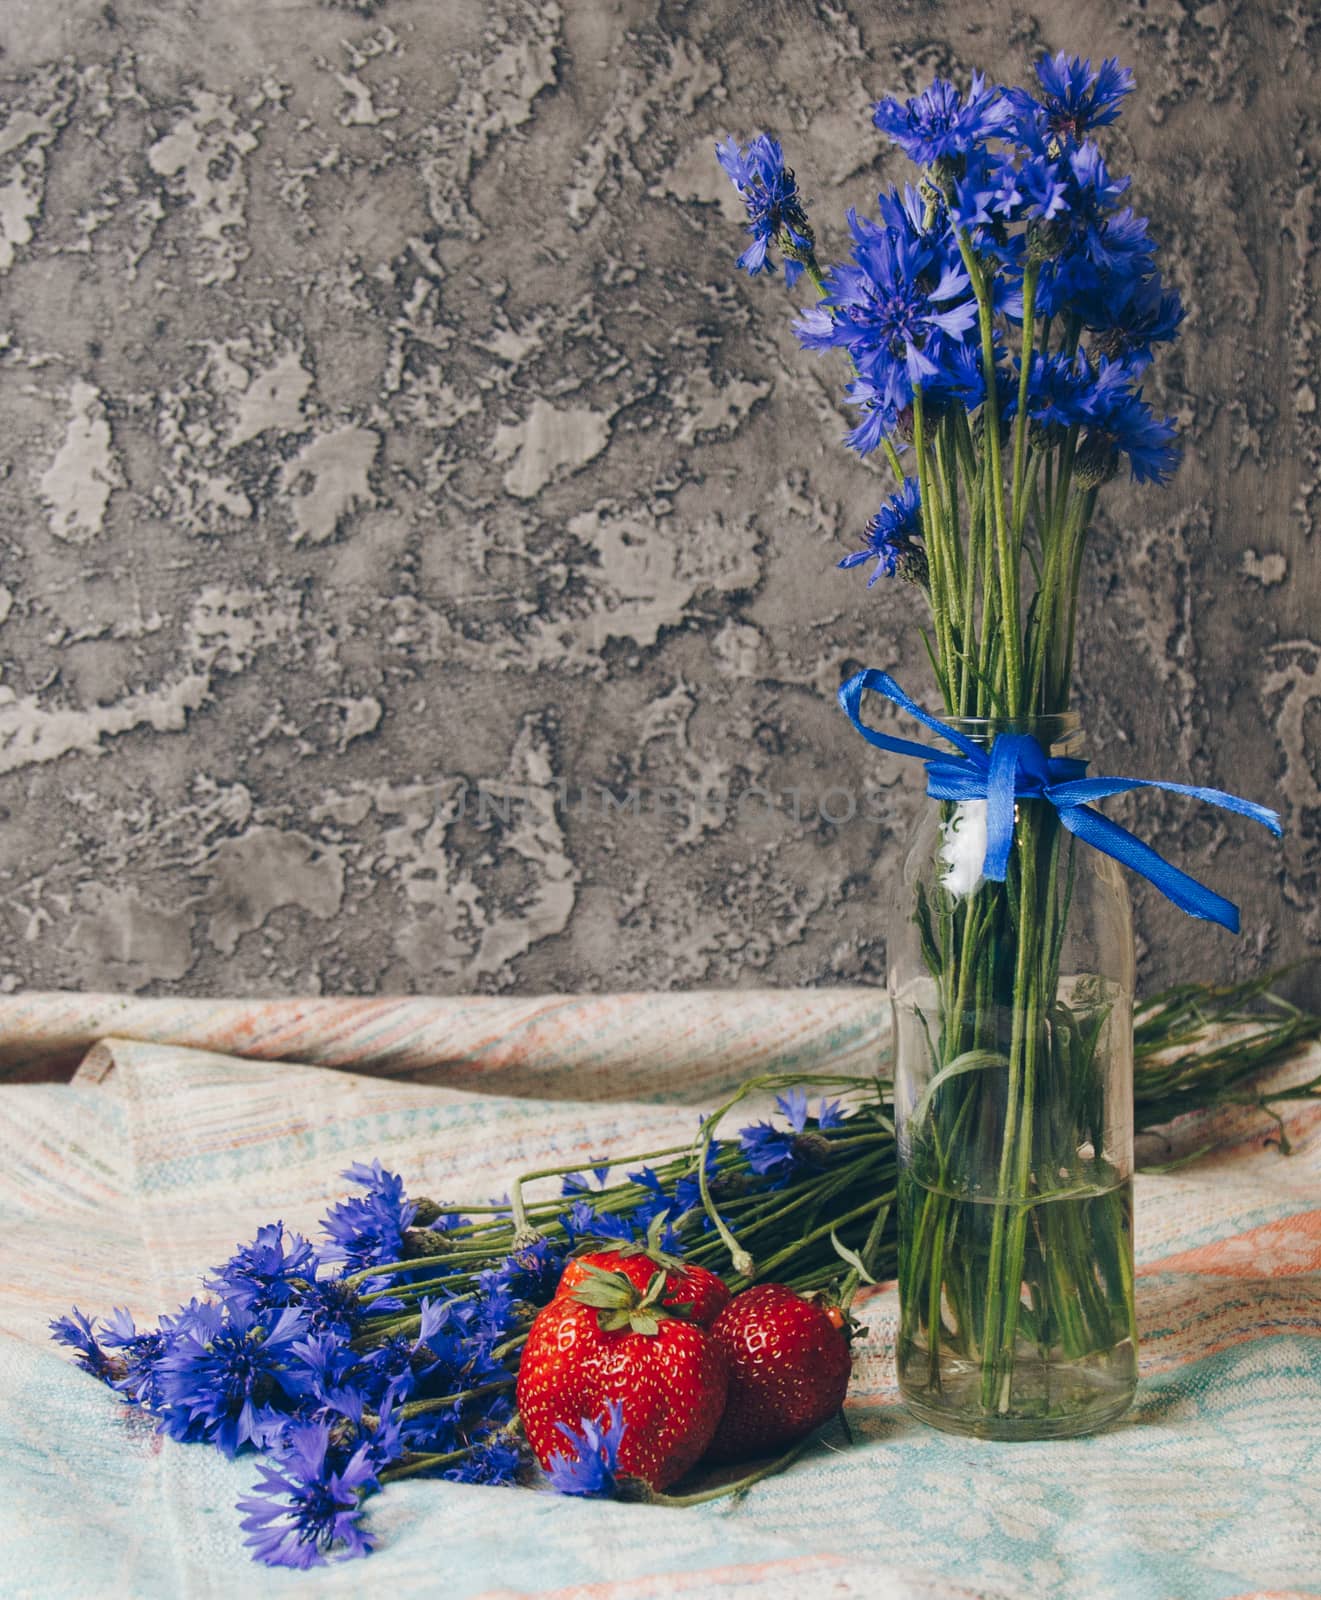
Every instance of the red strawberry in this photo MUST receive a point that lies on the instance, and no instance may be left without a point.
(604, 1341)
(789, 1368)
(697, 1288)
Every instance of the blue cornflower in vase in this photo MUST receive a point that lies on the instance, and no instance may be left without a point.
(896, 309)
(1125, 316)
(1064, 392)
(893, 536)
(1122, 425)
(1074, 98)
(775, 208)
(310, 1505)
(940, 125)
(591, 1465)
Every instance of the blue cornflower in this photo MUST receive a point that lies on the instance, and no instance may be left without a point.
(1042, 189)
(891, 533)
(1061, 390)
(309, 1506)
(830, 1114)
(939, 124)
(793, 1106)
(580, 1183)
(496, 1462)
(383, 1440)
(902, 211)
(1126, 316)
(881, 413)
(494, 1312)
(1094, 240)
(593, 1467)
(777, 1152)
(902, 296)
(327, 1366)
(335, 1307)
(77, 1332)
(1123, 424)
(899, 309)
(140, 1352)
(1074, 99)
(265, 1273)
(367, 1229)
(399, 1366)
(767, 1149)
(773, 203)
(688, 1189)
(583, 1221)
(228, 1378)
(668, 1206)
(962, 382)
(530, 1272)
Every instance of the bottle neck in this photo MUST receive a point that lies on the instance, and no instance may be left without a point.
(1059, 734)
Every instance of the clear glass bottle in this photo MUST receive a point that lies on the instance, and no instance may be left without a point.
(1013, 1012)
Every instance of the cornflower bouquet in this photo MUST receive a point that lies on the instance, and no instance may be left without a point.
(391, 1346)
(999, 318)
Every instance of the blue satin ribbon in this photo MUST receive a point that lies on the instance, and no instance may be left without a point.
(1016, 768)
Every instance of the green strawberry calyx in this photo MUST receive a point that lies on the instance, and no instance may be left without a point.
(620, 1304)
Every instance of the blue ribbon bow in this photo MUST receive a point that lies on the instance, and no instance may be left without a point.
(1016, 768)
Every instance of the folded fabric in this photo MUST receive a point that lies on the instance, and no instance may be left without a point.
(121, 1186)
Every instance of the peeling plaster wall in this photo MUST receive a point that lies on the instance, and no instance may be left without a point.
(390, 456)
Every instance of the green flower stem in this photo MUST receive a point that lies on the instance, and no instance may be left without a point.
(1006, 550)
(1031, 272)
(896, 466)
(935, 545)
(988, 702)
(975, 482)
(996, 1286)
(419, 1408)
(1086, 506)
(781, 1258)
(739, 1485)
(411, 1465)
(947, 486)
(1033, 1010)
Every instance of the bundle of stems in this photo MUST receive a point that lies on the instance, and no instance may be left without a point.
(830, 1223)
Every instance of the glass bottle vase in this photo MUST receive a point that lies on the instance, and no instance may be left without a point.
(1013, 1012)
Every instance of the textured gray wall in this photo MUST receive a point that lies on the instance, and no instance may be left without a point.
(382, 421)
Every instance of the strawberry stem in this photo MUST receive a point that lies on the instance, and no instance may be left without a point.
(740, 1485)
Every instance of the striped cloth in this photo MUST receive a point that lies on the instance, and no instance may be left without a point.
(187, 1124)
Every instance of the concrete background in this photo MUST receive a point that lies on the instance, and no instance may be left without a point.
(383, 427)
